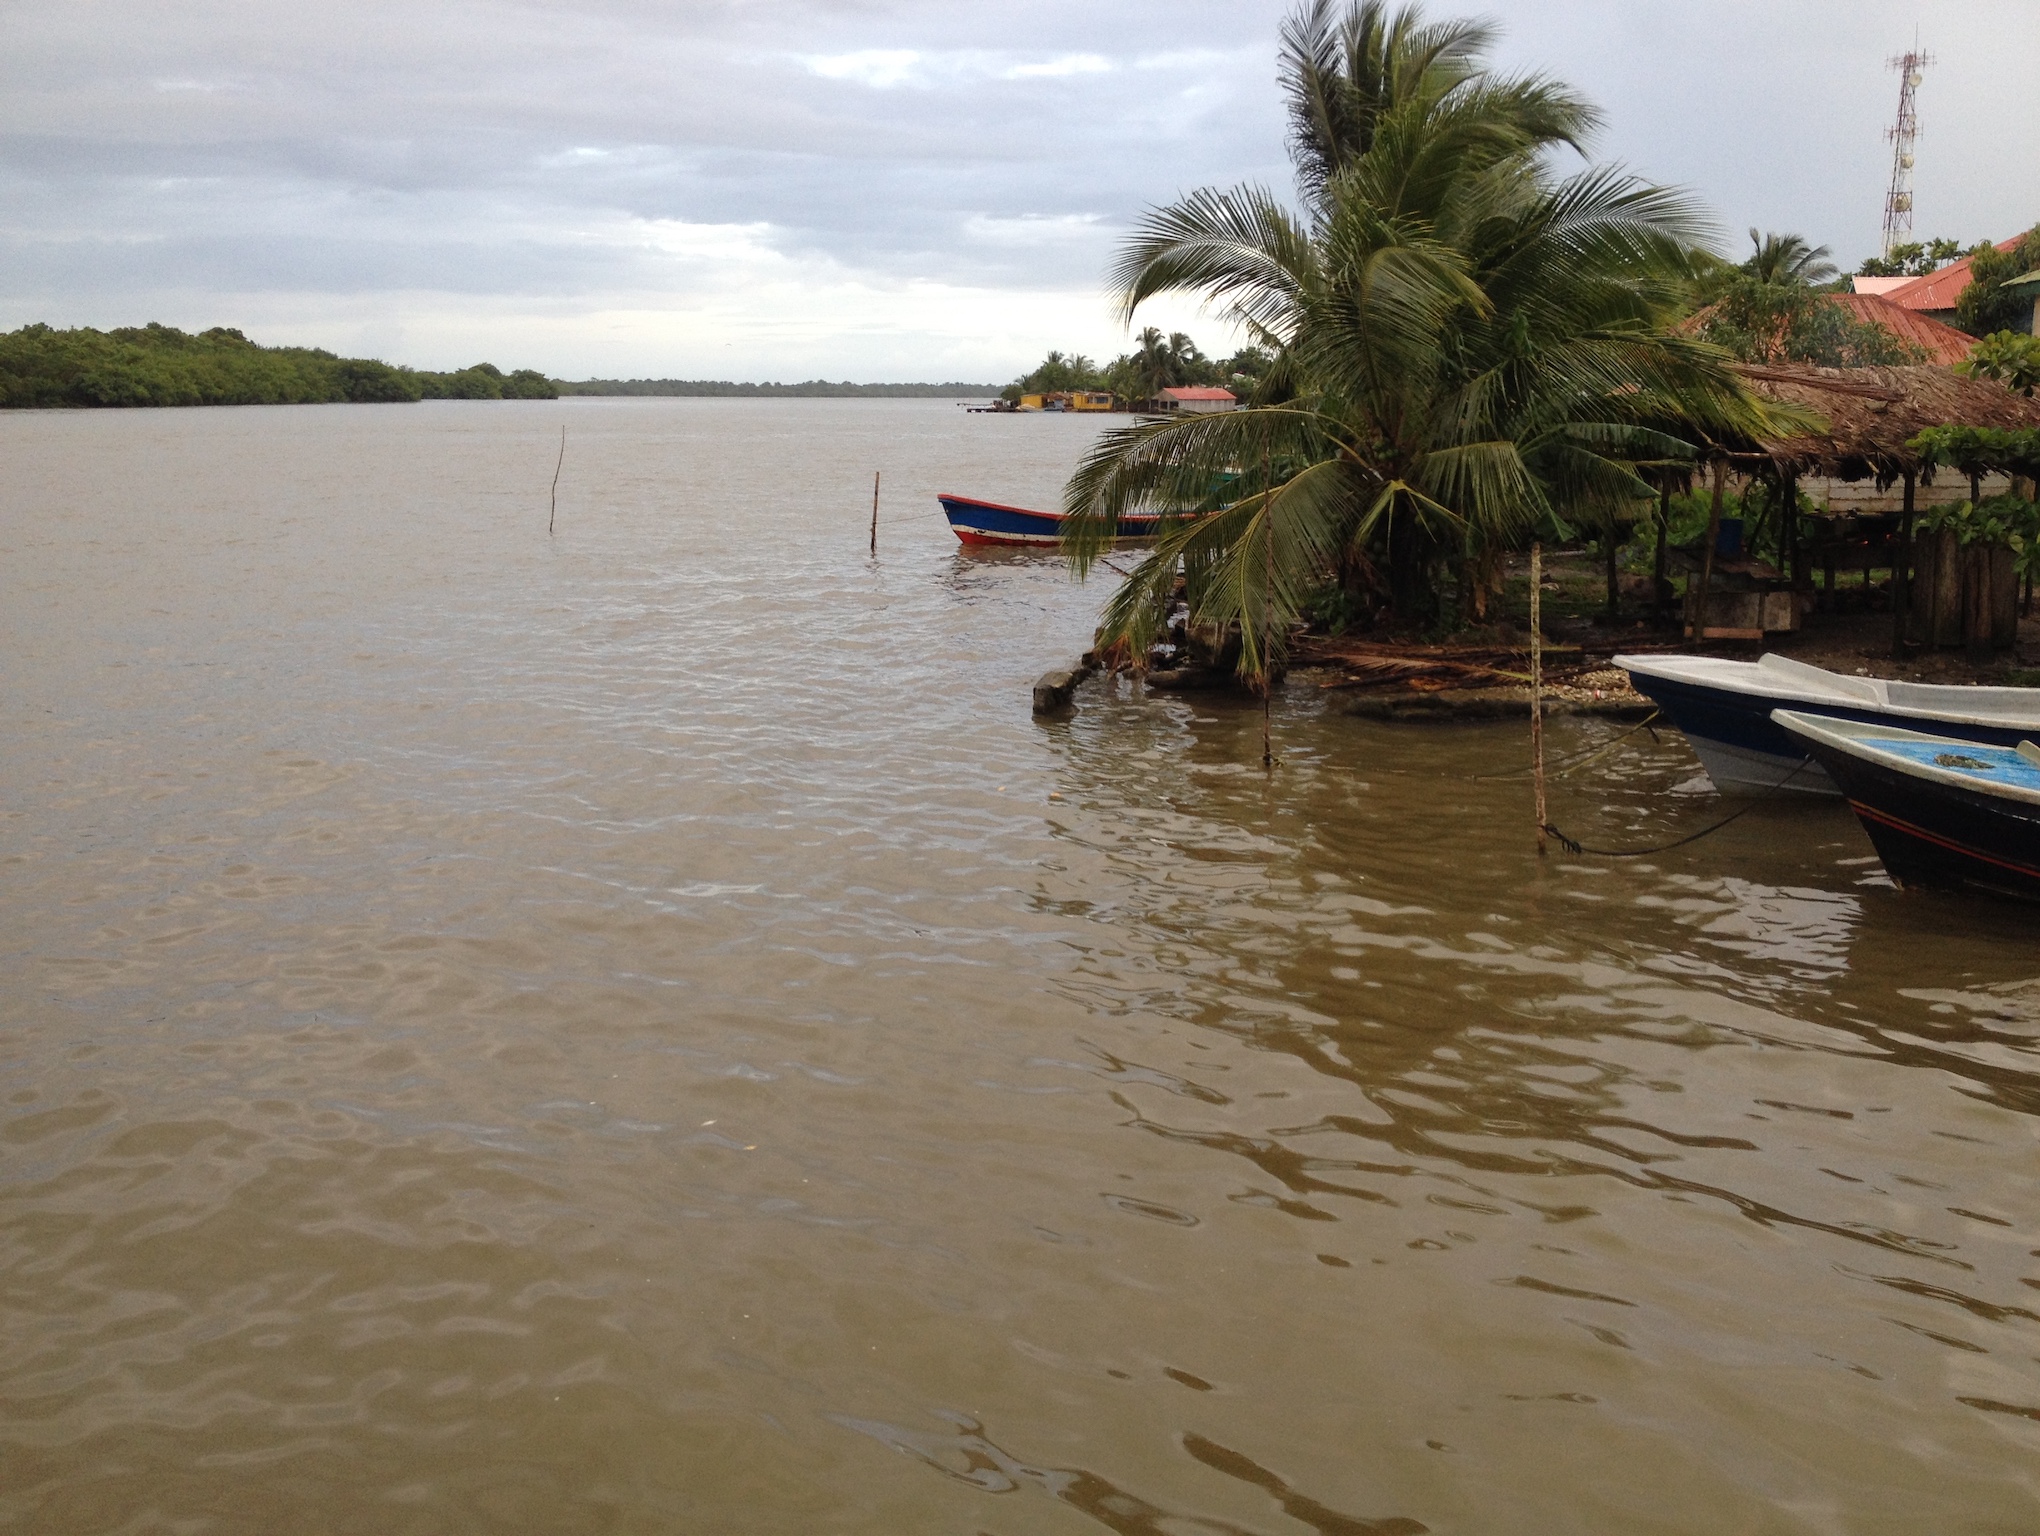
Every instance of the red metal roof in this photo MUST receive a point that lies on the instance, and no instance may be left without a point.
(1943, 344)
(1940, 290)
(1199, 392)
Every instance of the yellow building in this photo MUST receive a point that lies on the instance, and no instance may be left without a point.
(1067, 400)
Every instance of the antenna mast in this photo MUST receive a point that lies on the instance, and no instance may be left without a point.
(1898, 202)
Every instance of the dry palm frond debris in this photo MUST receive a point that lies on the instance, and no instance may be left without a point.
(1370, 664)
(1363, 665)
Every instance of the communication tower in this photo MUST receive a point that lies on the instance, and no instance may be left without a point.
(1898, 202)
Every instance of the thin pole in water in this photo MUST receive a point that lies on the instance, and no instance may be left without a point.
(874, 511)
(1268, 615)
(1537, 683)
(553, 516)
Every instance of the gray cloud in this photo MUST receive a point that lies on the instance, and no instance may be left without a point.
(866, 186)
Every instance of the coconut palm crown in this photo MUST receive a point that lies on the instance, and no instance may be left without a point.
(1788, 259)
(1467, 343)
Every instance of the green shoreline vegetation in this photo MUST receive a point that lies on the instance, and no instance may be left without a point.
(156, 365)
(42, 367)
(1156, 363)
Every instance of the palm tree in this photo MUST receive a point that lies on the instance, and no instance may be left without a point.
(1788, 261)
(1343, 74)
(1466, 344)
(1154, 362)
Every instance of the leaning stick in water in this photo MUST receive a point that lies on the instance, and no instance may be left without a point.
(874, 511)
(554, 514)
(1537, 683)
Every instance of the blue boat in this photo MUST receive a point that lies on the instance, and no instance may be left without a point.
(989, 522)
(1940, 810)
(1724, 708)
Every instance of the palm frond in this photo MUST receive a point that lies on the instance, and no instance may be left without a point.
(1238, 249)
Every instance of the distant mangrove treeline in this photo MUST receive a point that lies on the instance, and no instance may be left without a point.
(813, 389)
(41, 366)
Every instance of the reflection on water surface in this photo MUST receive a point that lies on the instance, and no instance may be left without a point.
(642, 1031)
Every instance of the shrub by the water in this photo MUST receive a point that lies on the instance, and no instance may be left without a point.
(485, 381)
(41, 366)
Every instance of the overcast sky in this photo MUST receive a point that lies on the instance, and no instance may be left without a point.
(873, 189)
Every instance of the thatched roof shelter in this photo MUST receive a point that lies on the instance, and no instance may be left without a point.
(1871, 414)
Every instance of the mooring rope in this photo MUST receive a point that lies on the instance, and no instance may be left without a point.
(1573, 845)
(1578, 760)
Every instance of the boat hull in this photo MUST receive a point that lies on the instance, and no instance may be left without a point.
(1732, 735)
(1939, 835)
(980, 523)
(1728, 724)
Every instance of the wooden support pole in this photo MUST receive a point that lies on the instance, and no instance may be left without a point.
(874, 511)
(1707, 551)
(1537, 685)
(1659, 590)
(1788, 511)
(1901, 570)
(1610, 554)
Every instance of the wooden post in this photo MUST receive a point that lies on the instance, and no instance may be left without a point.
(1788, 511)
(2004, 598)
(553, 515)
(1937, 590)
(1614, 577)
(874, 511)
(1976, 584)
(1901, 570)
(1537, 684)
(1707, 551)
(1660, 587)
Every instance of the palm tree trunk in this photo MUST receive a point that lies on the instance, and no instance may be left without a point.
(1409, 567)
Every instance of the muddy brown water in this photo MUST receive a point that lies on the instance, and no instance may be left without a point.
(641, 1031)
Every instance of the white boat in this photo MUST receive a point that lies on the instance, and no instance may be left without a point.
(1724, 707)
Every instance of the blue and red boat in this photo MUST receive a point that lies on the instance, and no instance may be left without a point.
(989, 522)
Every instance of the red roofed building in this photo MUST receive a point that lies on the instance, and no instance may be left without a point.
(1198, 398)
(1935, 294)
(1942, 344)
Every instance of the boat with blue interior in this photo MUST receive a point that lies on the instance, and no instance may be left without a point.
(1725, 708)
(1940, 810)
